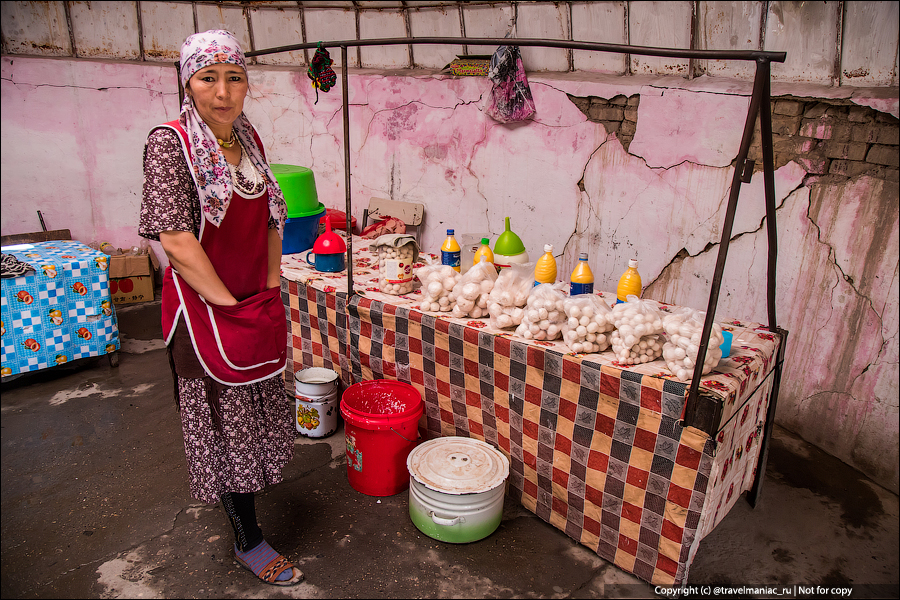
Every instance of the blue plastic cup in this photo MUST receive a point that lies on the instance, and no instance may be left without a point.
(726, 344)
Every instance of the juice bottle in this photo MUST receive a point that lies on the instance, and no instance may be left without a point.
(545, 268)
(629, 283)
(582, 281)
(450, 251)
(485, 251)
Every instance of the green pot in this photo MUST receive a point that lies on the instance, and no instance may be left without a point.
(456, 488)
(298, 184)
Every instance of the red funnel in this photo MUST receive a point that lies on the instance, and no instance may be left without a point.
(329, 242)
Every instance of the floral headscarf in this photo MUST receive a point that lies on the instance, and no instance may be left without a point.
(210, 169)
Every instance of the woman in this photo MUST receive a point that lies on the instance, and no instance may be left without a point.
(214, 205)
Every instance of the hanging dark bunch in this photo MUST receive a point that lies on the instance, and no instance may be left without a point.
(320, 71)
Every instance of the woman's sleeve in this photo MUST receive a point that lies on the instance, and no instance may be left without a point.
(170, 201)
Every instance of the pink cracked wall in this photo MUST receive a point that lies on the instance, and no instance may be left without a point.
(73, 133)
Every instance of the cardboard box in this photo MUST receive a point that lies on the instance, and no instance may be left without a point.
(131, 278)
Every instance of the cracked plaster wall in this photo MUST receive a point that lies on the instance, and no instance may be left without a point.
(73, 132)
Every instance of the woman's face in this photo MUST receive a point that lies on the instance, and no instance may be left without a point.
(218, 92)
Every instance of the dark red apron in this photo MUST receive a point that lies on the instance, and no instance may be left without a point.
(247, 342)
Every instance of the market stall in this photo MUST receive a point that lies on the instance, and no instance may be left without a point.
(759, 112)
(597, 448)
(629, 461)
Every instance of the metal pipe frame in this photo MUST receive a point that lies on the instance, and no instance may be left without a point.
(760, 107)
(545, 43)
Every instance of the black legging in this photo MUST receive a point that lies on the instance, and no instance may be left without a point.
(241, 511)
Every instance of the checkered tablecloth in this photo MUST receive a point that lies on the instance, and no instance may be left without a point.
(59, 312)
(596, 448)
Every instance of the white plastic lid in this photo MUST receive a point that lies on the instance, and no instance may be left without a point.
(633, 263)
(548, 247)
(458, 465)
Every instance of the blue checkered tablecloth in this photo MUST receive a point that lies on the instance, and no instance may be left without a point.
(59, 312)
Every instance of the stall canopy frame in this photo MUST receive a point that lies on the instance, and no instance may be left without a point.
(699, 411)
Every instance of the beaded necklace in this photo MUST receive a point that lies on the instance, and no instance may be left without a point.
(230, 141)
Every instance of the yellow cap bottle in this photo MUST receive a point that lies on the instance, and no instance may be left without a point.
(629, 283)
(485, 251)
(545, 268)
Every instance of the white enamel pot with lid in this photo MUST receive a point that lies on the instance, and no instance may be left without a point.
(456, 488)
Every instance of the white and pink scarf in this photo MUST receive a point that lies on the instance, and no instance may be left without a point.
(210, 169)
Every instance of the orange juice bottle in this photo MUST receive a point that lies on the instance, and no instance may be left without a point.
(485, 251)
(545, 269)
(450, 251)
(629, 283)
(582, 281)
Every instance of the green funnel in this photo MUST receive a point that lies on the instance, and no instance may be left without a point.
(508, 244)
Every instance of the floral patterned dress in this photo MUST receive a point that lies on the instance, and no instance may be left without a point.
(246, 447)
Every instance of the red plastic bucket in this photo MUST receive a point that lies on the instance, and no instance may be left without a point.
(381, 425)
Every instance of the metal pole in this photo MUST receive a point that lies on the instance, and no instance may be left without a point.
(547, 43)
(754, 492)
(180, 87)
(768, 156)
(741, 169)
(345, 113)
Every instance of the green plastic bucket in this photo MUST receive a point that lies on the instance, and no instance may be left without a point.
(299, 187)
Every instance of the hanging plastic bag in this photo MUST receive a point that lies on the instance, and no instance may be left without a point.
(510, 99)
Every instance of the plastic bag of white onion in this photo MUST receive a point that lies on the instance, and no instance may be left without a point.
(437, 283)
(469, 295)
(648, 348)
(507, 299)
(588, 323)
(636, 319)
(544, 312)
(684, 328)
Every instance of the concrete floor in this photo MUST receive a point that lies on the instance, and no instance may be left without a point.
(95, 504)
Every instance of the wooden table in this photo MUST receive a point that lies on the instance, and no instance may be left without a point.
(598, 449)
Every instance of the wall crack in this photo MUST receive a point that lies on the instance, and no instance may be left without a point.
(684, 254)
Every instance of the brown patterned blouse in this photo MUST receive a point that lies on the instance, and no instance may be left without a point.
(170, 201)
